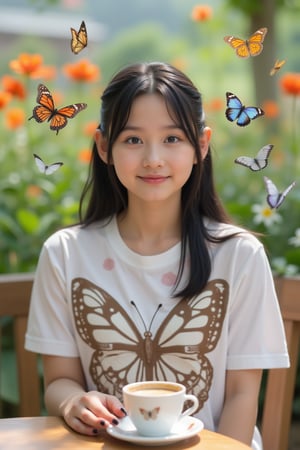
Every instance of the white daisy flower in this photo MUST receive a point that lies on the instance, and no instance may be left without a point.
(295, 240)
(264, 214)
(281, 267)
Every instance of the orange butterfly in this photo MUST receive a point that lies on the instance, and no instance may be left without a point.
(278, 64)
(79, 39)
(46, 110)
(249, 47)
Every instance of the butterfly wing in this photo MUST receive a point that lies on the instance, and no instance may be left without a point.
(79, 39)
(118, 345)
(277, 66)
(247, 114)
(246, 161)
(60, 119)
(53, 168)
(274, 197)
(191, 330)
(255, 42)
(234, 107)
(239, 45)
(45, 108)
(259, 162)
(39, 163)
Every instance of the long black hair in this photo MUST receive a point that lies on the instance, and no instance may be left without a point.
(104, 196)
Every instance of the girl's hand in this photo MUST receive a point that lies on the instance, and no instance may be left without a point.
(65, 395)
(90, 412)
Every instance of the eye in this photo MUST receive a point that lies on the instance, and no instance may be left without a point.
(172, 139)
(133, 140)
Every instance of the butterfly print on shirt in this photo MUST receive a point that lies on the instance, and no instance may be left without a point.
(122, 354)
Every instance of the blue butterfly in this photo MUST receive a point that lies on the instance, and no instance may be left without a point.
(237, 111)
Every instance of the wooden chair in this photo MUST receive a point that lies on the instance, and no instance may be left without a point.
(277, 409)
(15, 290)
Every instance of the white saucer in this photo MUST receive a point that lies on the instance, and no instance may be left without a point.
(186, 427)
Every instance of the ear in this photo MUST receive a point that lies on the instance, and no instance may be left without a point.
(204, 141)
(101, 144)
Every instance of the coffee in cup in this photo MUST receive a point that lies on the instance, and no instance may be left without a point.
(154, 407)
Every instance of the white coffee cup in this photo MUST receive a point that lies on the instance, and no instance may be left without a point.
(154, 407)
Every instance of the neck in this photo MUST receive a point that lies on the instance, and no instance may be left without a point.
(150, 230)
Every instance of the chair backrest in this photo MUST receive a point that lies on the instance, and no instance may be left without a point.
(277, 410)
(15, 290)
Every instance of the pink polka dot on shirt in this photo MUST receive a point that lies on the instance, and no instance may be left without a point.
(168, 279)
(109, 264)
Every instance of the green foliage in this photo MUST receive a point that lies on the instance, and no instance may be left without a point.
(251, 7)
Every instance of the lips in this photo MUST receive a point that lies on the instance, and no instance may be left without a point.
(154, 179)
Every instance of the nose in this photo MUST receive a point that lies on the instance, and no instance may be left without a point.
(153, 156)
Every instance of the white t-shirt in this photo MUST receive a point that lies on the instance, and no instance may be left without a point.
(96, 299)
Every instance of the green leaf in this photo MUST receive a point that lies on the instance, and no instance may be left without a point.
(28, 220)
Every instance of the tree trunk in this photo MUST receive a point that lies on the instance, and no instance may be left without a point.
(265, 85)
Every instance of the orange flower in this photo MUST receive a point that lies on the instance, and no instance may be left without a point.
(201, 13)
(82, 70)
(290, 83)
(85, 155)
(5, 98)
(216, 104)
(33, 191)
(90, 128)
(26, 64)
(13, 86)
(271, 109)
(45, 72)
(14, 118)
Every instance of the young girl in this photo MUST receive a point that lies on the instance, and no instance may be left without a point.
(155, 282)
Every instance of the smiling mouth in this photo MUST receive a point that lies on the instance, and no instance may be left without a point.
(154, 179)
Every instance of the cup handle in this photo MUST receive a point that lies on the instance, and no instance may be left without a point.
(192, 408)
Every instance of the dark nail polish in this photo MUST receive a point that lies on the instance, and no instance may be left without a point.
(124, 411)
(102, 423)
(115, 422)
(95, 431)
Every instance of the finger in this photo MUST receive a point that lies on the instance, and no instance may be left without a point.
(77, 425)
(116, 407)
(107, 408)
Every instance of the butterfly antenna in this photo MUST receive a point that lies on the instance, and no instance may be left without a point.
(141, 317)
(158, 308)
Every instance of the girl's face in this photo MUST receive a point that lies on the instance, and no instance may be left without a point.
(152, 156)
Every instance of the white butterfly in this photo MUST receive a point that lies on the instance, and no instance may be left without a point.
(274, 197)
(259, 162)
(44, 168)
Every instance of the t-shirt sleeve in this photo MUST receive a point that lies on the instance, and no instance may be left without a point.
(256, 333)
(50, 328)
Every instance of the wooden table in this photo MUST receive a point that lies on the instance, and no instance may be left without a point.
(49, 433)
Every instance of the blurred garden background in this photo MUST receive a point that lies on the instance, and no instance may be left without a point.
(35, 48)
